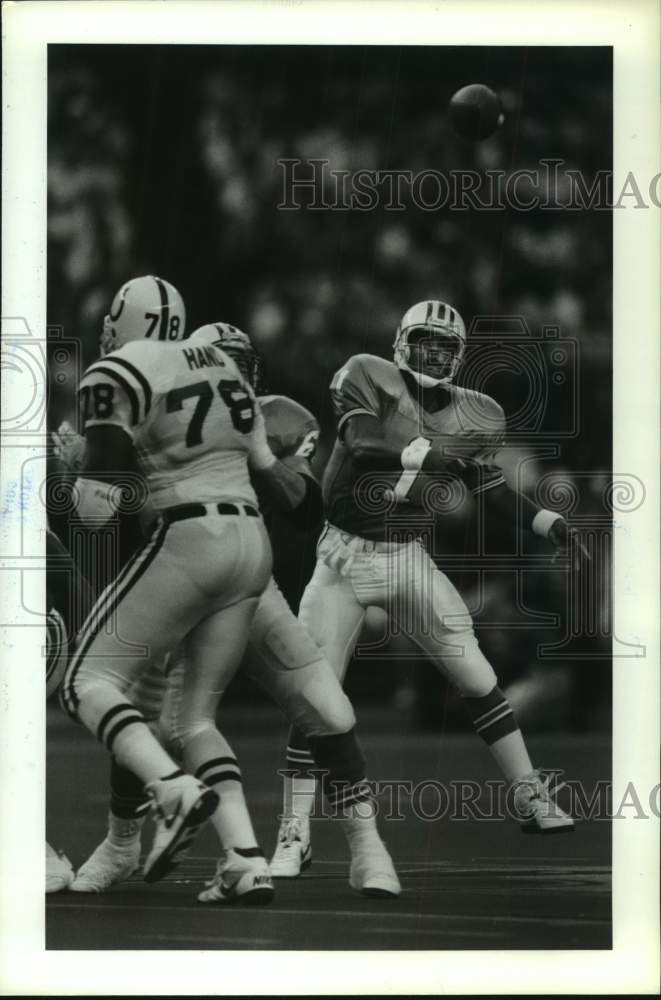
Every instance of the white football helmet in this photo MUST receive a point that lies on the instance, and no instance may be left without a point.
(234, 342)
(430, 342)
(144, 307)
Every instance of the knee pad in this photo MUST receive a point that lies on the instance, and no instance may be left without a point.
(148, 693)
(177, 734)
(338, 716)
(472, 674)
(318, 705)
(84, 676)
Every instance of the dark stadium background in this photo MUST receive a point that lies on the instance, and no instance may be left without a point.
(162, 159)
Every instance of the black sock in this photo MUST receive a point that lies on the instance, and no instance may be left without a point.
(128, 799)
(341, 757)
(300, 762)
(492, 716)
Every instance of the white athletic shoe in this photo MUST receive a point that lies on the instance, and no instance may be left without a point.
(246, 881)
(59, 871)
(107, 865)
(372, 872)
(293, 852)
(181, 805)
(536, 810)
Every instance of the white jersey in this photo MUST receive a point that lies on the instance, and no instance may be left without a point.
(189, 413)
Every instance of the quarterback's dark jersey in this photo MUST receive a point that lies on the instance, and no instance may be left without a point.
(292, 434)
(468, 424)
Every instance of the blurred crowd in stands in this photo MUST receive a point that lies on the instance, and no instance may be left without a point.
(166, 160)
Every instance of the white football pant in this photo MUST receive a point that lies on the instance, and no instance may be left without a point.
(353, 574)
(197, 580)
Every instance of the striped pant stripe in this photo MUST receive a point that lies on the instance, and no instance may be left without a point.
(56, 641)
(106, 604)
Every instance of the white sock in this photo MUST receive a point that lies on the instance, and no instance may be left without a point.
(511, 755)
(209, 756)
(299, 796)
(231, 819)
(359, 825)
(124, 833)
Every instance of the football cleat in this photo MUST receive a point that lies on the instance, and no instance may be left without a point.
(237, 344)
(246, 881)
(143, 307)
(372, 872)
(293, 852)
(430, 342)
(181, 805)
(536, 810)
(59, 871)
(108, 864)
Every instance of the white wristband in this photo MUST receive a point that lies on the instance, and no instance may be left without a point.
(94, 500)
(412, 458)
(262, 458)
(415, 453)
(543, 521)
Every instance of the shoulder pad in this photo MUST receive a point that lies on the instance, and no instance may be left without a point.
(381, 372)
(481, 417)
(482, 403)
(371, 363)
(136, 367)
(142, 353)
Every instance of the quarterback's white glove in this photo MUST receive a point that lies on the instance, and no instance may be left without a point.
(567, 541)
(69, 446)
(415, 453)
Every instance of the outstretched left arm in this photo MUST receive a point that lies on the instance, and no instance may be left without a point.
(518, 508)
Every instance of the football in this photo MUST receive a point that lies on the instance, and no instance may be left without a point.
(476, 112)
